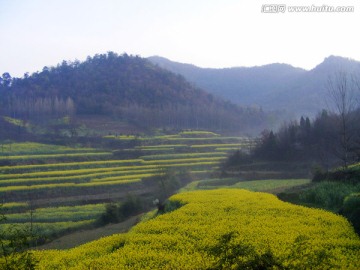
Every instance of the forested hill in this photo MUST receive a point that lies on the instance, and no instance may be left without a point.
(127, 88)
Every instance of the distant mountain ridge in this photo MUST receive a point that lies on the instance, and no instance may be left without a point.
(271, 87)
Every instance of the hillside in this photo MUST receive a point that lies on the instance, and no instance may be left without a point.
(126, 88)
(272, 87)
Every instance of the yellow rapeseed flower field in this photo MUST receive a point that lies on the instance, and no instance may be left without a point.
(222, 229)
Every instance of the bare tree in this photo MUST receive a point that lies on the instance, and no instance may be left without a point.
(356, 82)
(341, 90)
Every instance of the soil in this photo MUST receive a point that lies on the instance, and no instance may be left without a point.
(81, 237)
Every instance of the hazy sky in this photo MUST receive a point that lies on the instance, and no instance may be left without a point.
(207, 33)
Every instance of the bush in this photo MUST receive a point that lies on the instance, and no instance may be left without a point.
(349, 175)
(14, 253)
(351, 202)
(236, 159)
(318, 174)
(328, 195)
(171, 206)
(115, 213)
(351, 210)
(111, 214)
(131, 206)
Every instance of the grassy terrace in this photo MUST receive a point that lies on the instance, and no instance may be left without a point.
(268, 185)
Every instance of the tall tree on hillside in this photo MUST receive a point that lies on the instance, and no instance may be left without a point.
(6, 79)
(341, 90)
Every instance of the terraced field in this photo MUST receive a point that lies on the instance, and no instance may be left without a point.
(269, 185)
(43, 179)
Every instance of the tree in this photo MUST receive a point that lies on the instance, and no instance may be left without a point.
(341, 92)
(6, 79)
(268, 147)
(14, 244)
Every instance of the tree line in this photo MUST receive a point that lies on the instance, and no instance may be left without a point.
(331, 139)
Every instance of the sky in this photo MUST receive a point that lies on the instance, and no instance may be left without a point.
(206, 33)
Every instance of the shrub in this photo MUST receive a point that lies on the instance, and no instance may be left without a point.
(131, 206)
(117, 212)
(111, 214)
(14, 244)
(349, 175)
(329, 195)
(351, 210)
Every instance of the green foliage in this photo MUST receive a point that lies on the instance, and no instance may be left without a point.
(237, 158)
(326, 140)
(131, 206)
(111, 214)
(328, 195)
(169, 206)
(351, 202)
(14, 244)
(351, 210)
(117, 212)
(351, 174)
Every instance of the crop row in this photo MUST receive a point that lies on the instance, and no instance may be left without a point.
(185, 136)
(38, 148)
(88, 171)
(184, 155)
(75, 178)
(57, 214)
(68, 165)
(112, 167)
(72, 185)
(182, 160)
(57, 156)
(160, 146)
(80, 181)
(217, 145)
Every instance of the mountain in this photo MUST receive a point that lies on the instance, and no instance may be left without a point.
(271, 87)
(127, 88)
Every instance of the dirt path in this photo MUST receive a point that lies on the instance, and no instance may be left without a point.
(82, 237)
